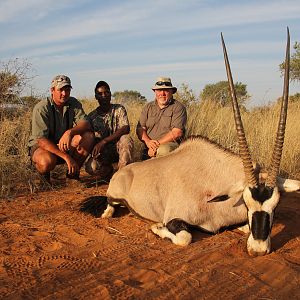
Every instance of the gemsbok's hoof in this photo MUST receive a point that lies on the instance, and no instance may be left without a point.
(181, 238)
(157, 227)
(108, 213)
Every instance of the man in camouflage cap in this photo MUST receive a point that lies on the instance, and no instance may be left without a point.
(113, 142)
(61, 132)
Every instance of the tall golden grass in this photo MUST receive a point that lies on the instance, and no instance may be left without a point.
(260, 124)
(207, 119)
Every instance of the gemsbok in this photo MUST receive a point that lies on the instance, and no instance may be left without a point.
(201, 184)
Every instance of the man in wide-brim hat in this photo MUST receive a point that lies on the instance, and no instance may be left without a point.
(161, 126)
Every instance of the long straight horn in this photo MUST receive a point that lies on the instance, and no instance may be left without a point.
(243, 146)
(277, 152)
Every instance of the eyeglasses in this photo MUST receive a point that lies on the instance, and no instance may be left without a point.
(165, 83)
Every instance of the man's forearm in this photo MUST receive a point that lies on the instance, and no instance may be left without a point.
(142, 134)
(116, 136)
(172, 136)
(80, 128)
(48, 145)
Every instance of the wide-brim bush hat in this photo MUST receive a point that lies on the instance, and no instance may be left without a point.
(164, 83)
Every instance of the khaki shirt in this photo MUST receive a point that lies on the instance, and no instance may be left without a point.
(105, 124)
(158, 122)
(48, 122)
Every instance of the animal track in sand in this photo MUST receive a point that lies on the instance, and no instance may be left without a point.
(50, 246)
(39, 233)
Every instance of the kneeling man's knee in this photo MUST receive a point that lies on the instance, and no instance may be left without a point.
(165, 149)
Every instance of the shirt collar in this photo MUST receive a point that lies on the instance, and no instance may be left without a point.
(171, 101)
(67, 104)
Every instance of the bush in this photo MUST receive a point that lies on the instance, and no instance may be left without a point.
(14, 77)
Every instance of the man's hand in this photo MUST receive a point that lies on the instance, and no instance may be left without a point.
(151, 153)
(152, 147)
(98, 148)
(64, 143)
(152, 144)
(73, 167)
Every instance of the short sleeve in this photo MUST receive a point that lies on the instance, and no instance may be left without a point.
(179, 118)
(122, 117)
(79, 114)
(40, 121)
(144, 116)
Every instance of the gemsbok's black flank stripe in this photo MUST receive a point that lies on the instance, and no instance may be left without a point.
(260, 227)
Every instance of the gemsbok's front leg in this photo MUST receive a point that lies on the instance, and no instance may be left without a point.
(176, 230)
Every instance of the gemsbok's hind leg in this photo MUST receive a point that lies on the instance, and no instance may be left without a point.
(108, 213)
(176, 230)
(110, 209)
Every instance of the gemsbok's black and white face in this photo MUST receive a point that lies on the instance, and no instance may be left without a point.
(261, 202)
(261, 199)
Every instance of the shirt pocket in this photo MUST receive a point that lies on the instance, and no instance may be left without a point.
(166, 121)
(151, 121)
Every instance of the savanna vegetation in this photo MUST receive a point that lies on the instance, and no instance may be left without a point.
(206, 118)
(209, 115)
(295, 64)
(15, 75)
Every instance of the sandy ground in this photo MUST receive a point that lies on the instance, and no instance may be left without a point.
(54, 246)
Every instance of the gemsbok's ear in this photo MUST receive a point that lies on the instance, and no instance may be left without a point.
(233, 191)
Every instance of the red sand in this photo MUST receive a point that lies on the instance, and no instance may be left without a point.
(53, 246)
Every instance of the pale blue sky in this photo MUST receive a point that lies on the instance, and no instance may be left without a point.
(130, 43)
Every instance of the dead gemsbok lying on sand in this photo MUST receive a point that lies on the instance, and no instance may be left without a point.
(201, 184)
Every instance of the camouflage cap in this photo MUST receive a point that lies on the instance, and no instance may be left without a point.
(60, 81)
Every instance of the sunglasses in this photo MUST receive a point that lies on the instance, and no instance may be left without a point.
(165, 83)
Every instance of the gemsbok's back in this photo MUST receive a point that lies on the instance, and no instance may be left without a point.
(201, 184)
